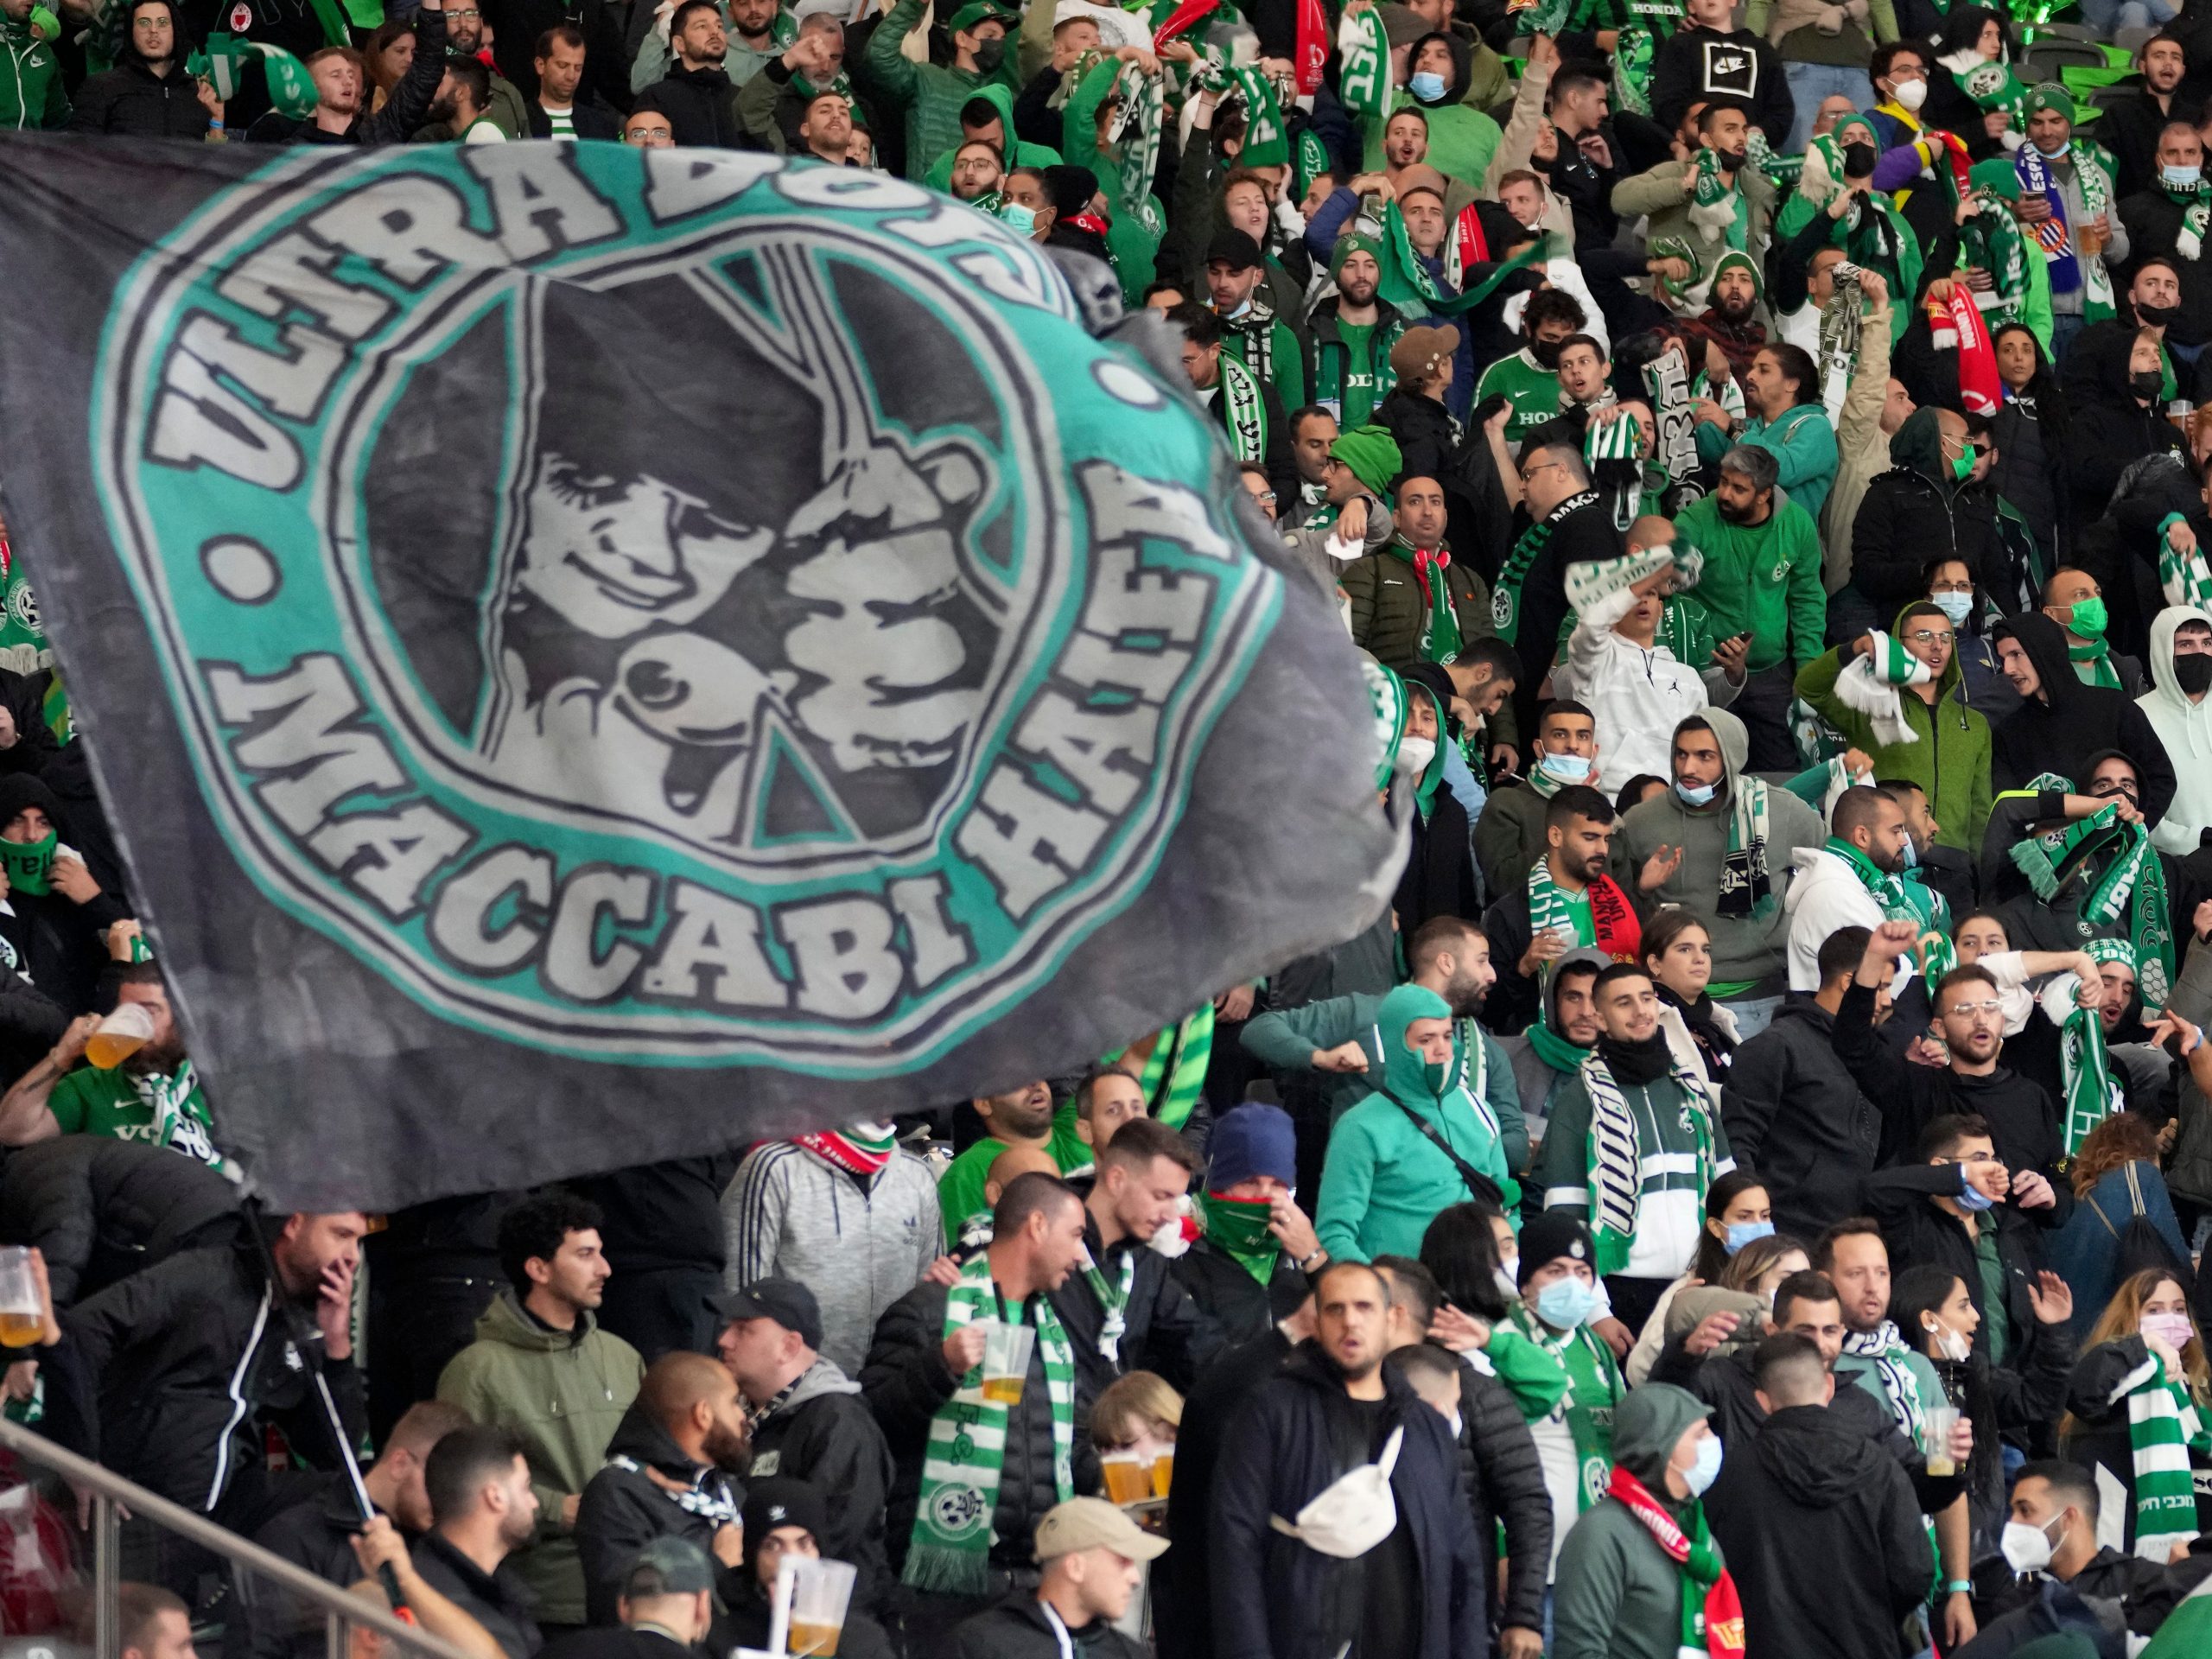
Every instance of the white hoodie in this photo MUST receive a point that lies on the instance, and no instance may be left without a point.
(2185, 728)
(1826, 895)
(1635, 697)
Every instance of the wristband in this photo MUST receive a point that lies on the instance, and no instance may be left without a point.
(1308, 1256)
(1957, 1587)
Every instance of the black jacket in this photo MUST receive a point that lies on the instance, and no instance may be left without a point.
(2101, 1439)
(748, 1619)
(1699, 64)
(409, 106)
(1239, 1305)
(1794, 1113)
(2154, 220)
(2022, 1120)
(2108, 428)
(905, 1382)
(2129, 127)
(822, 1432)
(1017, 1629)
(1904, 521)
(665, 1215)
(1918, 1235)
(516, 26)
(620, 1643)
(1586, 187)
(590, 118)
(31, 1023)
(701, 105)
(317, 1537)
(1514, 1001)
(1823, 1536)
(2025, 473)
(1505, 1487)
(101, 1209)
(1163, 1330)
(1273, 1596)
(150, 1375)
(500, 1602)
(131, 101)
(623, 1509)
(1184, 1576)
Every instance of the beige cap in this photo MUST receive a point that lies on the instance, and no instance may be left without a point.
(1093, 1523)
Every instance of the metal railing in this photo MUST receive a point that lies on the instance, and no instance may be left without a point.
(110, 1492)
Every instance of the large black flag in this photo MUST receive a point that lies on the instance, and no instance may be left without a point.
(594, 655)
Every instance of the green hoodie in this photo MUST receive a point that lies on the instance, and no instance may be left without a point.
(1950, 758)
(930, 95)
(1763, 577)
(564, 1392)
(1617, 1594)
(30, 81)
(1384, 1180)
(1133, 245)
(999, 97)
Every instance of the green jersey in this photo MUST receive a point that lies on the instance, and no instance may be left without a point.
(960, 1192)
(1531, 388)
(166, 1110)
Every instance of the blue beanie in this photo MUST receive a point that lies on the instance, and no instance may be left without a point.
(1254, 1139)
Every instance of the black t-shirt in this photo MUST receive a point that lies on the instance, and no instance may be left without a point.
(1390, 1626)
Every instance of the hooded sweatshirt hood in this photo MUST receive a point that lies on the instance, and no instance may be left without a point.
(1648, 1425)
(1735, 747)
(2099, 362)
(1405, 1074)
(1953, 672)
(1816, 1457)
(505, 1321)
(2044, 641)
(2185, 728)
(824, 1377)
(1457, 49)
(1919, 444)
(1582, 953)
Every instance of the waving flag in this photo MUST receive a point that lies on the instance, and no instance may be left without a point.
(594, 655)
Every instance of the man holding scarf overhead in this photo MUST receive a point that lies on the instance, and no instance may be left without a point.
(2066, 203)
(1244, 404)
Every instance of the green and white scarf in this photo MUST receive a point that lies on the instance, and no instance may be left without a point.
(1113, 1302)
(1905, 901)
(1505, 598)
(2083, 1071)
(1255, 335)
(2163, 1427)
(1364, 70)
(1718, 212)
(1247, 409)
(950, 1549)
(1842, 321)
(1634, 48)
(2130, 882)
(1614, 1159)
(2185, 578)
(2196, 203)
(1869, 685)
(1747, 888)
(1266, 143)
(1143, 117)
(1885, 1345)
(1173, 1075)
(1593, 1389)
(1440, 627)
(1386, 695)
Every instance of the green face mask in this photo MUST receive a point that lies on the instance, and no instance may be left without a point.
(1435, 1074)
(1239, 1228)
(1963, 469)
(29, 864)
(2088, 619)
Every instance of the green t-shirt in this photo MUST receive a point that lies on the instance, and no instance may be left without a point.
(1532, 390)
(1359, 398)
(960, 1190)
(167, 1111)
(1992, 1273)
(1578, 911)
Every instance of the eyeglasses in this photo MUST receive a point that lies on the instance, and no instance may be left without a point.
(1263, 495)
(1929, 636)
(1529, 472)
(1989, 1005)
(451, 14)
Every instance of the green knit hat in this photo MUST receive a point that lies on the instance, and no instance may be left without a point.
(1373, 454)
(2050, 95)
(1353, 242)
(1745, 263)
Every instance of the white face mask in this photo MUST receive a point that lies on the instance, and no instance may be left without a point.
(1416, 752)
(1910, 94)
(1508, 1286)
(1354, 1512)
(2026, 1545)
(1949, 1342)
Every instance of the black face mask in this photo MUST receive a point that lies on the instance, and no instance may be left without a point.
(2155, 316)
(1859, 161)
(2145, 383)
(1545, 352)
(987, 53)
(1732, 159)
(2194, 674)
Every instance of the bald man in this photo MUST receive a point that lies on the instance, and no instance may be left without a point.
(1641, 661)
(669, 1469)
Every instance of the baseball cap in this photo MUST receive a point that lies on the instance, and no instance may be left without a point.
(786, 1302)
(1093, 1523)
(1233, 248)
(1421, 349)
(669, 1566)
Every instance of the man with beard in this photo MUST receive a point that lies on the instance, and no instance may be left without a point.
(1241, 403)
(483, 1509)
(1235, 277)
(461, 109)
(501, 102)
(1397, 613)
(1730, 320)
(153, 1095)
(1448, 956)
(1022, 1116)
(1567, 900)
(697, 96)
(757, 32)
(669, 1471)
(1762, 579)
(1714, 198)
(976, 170)
(1352, 332)
(1634, 1143)
(1840, 885)
(1313, 429)
(1529, 380)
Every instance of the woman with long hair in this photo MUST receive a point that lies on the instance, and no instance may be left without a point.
(2141, 1391)
(1737, 1213)
(1677, 952)
(1761, 1265)
(2029, 428)
(390, 53)
(2116, 1182)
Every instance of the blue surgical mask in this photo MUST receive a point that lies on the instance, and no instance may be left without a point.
(2182, 178)
(1957, 606)
(1971, 1199)
(1565, 1303)
(1910, 854)
(1426, 87)
(1243, 307)
(1701, 795)
(1741, 1233)
(1021, 220)
(1568, 768)
(1699, 1475)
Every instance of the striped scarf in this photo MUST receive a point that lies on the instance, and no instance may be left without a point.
(950, 1551)
(708, 1496)
(2163, 1427)
(1747, 888)
(1905, 901)
(1869, 685)
(1613, 1156)
(1613, 925)
(1885, 1345)
(1247, 409)
(1505, 598)
(860, 1149)
(2082, 1068)
(2185, 579)
(1594, 1388)
(2130, 882)
(1174, 1073)
(1113, 1302)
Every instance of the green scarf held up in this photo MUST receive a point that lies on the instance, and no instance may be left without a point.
(1363, 69)
(2083, 1066)
(1238, 1229)
(2195, 201)
(1440, 629)
(1408, 284)
(2164, 1427)
(950, 1549)
(29, 865)
(2124, 879)
(1904, 901)
(1174, 1073)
